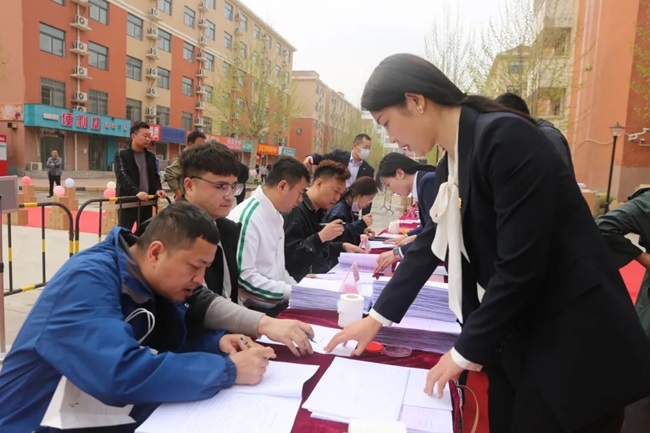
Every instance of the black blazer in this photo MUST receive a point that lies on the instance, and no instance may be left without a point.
(555, 307)
(343, 156)
(427, 189)
(354, 227)
(128, 175)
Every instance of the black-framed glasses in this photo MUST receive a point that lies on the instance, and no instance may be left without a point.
(226, 188)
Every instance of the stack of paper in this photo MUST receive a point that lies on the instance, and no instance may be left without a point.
(352, 389)
(431, 303)
(366, 262)
(270, 406)
(323, 291)
(422, 334)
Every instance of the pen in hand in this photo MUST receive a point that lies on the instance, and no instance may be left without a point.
(246, 343)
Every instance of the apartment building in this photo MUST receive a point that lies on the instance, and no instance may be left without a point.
(325, 120)
(78, 72)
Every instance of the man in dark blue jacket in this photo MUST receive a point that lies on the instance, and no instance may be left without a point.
(93, 325)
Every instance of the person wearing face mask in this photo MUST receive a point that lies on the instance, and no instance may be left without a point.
(359, 196)
(309, 247)
(405, 176)
(355, 160)
(544, 311)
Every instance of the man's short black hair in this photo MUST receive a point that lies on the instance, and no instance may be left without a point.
(191, 138)
(329, 169)
(514, 102)
(178, 226)
(137, 126)
(287, 168)
(360, 137)
(212, 157)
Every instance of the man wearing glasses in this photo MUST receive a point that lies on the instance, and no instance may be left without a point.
(209, 177)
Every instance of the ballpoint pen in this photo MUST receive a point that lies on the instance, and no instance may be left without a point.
(246, 343)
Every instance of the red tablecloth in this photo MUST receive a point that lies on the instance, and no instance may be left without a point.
(304, 422)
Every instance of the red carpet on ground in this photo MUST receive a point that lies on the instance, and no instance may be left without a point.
(88, 223)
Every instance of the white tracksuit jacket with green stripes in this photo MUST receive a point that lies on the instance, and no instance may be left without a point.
(263, 279)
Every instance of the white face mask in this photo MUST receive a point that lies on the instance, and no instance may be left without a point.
(364, 153)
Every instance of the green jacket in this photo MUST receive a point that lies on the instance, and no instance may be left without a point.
(173, 176)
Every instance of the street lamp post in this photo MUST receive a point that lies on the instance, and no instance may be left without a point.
(617, 130)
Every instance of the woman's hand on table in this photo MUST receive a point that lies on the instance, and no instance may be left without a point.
(385, 260)
(406, 240)
(441, 373)
(363, 331)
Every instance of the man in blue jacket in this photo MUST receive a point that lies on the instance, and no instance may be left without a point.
(78, 327)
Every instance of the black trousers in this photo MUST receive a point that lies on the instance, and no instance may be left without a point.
(518, 407)
(128, 216)
(53, 179)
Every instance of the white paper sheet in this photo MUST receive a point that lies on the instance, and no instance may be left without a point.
(415, 396)
(380, 245)
(426, 420)
(282, 379)
(356, 389)
(322, 336)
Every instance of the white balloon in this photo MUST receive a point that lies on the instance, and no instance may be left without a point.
(69, 182)
(110, 185)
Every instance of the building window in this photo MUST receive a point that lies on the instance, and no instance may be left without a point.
(207, 125)
(165, 6)
(211, 4)
(134, 26)
(243, 50)
(241, 78)
(287, 57)
(52, 40)
(287, 78)
(225, 69)
(189, 17)
(165, 41)
(267, 42)
(133, 68)
(99, 11)
(256, 31)
(228, 11)
(186, 121)
(227, 40)
(61, 2)
(209, 61)
(278, 48)
(98, 56)
(514, 68)
(52, 92)
(209, 93)
(210, 32)
(133, 110)
(187, 85)
(243, 23)
(163, 115)
(98, 102)
(277, 71)
(188, 51)
(256, 58)
(163, 78)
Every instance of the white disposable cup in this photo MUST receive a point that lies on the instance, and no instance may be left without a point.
(393, 227)
(350, 308)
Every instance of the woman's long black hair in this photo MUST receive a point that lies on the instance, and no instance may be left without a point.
(407, 73)
(365, 185)
(393, 161)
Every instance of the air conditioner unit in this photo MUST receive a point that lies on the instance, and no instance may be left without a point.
(150, 112)
(202, 73)
(80, 22)
(199, 121)
(152, 53)
(152, 33)
(203, 41)
(81, 2)
(203, 23)
(202, 57)
(237, 16)
(151, 73)
(80, 97)
(154, 14)
(80, 72)
(79, 47)
(203, 6)
(152, 91)
(202, 90)
(80, 108)
(200, 106)
(34, 166)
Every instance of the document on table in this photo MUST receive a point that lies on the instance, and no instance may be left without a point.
(364, 261)
(380, 245)
(269, 406)
(322, 336)
(362, 390)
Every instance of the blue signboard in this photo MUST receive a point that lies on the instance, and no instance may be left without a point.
(45, 116)
(287, 151)
(172, 135)
(247, 146)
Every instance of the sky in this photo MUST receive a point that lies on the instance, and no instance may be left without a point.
(343, 40)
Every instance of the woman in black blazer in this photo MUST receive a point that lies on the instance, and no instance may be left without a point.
(544, 311)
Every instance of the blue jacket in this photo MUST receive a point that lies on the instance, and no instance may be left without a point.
(77, 328)
(354, 226)
(427, 192)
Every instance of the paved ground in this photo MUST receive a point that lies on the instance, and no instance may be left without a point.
(27, 267)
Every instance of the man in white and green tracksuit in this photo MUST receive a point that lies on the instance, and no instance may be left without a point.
(264, 282)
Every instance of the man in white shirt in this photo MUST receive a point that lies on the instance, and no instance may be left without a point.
(265, 283)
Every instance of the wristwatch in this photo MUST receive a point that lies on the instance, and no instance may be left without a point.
(397, 253)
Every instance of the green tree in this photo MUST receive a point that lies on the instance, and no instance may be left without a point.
(641, 83)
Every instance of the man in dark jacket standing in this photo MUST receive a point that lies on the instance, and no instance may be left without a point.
(54, 166)
(308, 246)
(136, 173)
(354, 160)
